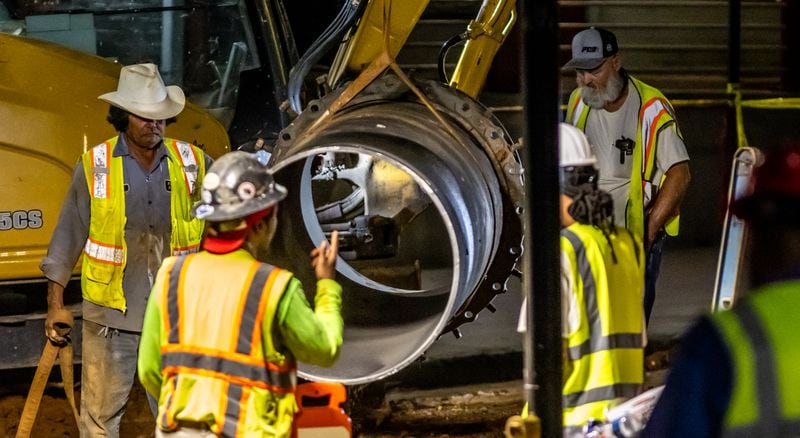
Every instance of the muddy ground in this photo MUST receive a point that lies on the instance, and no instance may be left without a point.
(475, 411)
(447, 399)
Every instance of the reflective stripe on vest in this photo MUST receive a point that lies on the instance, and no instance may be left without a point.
(577, 110)
(760, 334)
(105, 252)
(651, 116)
(99, 251)
(100, 155)
(187, 231)
(186, 155)
(114, 255)
(105, 248)
(241, 369)
(655, 113)
(605, 366)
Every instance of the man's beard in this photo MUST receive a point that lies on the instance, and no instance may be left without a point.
(597, 98)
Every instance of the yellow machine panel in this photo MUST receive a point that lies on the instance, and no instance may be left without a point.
(50, 115)
(367, 43)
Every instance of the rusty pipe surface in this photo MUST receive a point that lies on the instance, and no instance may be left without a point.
(429, 222)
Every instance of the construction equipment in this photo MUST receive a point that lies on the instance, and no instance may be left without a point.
(393, 162)
(434, 165)
(728, 283)
(50, 121)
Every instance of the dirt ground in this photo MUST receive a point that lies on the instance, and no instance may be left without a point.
(55, 416)
(478, 411)
(377, 410)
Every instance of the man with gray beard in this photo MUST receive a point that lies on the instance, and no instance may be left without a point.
(640, 151)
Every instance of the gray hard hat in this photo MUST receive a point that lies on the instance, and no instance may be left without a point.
(237, 185)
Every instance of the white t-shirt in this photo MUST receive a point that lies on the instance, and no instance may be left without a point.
(604, 128)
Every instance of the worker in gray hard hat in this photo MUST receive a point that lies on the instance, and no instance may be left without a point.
(223, 331)
(602, 274)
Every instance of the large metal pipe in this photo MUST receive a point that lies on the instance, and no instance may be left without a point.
(429, 217)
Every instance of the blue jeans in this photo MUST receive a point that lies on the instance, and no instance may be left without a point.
(652, 268)
(107, 373)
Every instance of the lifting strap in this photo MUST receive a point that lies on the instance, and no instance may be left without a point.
(63, 324)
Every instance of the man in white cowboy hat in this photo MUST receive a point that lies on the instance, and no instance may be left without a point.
(128, 207)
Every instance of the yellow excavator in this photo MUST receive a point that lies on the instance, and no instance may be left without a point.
(421, 180)
(50, 115)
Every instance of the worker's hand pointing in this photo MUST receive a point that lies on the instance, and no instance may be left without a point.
(323, 258)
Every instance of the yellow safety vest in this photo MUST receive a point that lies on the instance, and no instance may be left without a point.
(605, 352)
(655, 113)
(105, 252)
(761, 335)
(220, 366)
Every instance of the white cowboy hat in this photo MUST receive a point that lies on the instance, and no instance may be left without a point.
(142, 92)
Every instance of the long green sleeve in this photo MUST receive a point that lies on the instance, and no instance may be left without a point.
(149, 363)
(314, 336)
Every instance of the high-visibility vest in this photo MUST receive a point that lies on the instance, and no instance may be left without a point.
(761, 336)
(220, 366)
(605, 357)
(655, 113)
(105, 252)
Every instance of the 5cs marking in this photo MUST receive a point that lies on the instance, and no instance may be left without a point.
(20, 219)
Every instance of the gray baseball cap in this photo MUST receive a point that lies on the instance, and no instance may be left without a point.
(591, 47)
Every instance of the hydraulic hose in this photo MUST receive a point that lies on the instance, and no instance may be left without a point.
(330, 37)
(441, 65)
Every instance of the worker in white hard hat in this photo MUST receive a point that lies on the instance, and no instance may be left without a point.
(602, 278)
(223, 331)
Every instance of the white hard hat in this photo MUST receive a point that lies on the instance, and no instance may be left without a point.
(574, 147)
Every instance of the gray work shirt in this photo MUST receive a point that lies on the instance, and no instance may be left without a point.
(147, 235)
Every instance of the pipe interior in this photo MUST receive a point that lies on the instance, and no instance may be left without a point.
(393, 305)
(418, 213)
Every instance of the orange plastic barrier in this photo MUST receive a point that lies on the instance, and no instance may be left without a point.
(321, 414)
